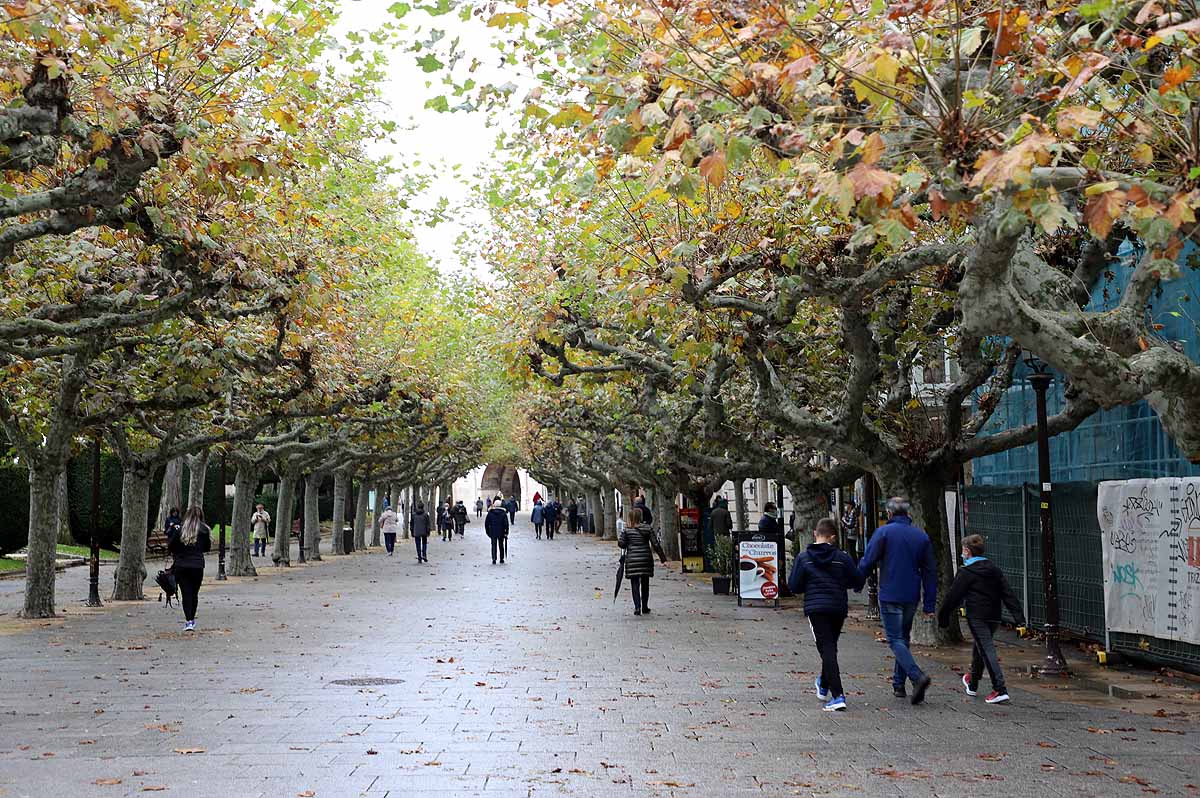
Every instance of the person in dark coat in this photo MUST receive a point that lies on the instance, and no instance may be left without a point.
(770, 523)
(496, 525)
(640, 503)
(720, 520)
(187, 543)
(511, 506)
(548, 517)
(445, 521)
(907, 573)
(420, 525)
(479, 508)
(461, 518)
(823, 574)
(981, 587)
(641, 544)
(573, 516)
(538, 517)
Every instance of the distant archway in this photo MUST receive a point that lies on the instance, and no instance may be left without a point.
(501, 479)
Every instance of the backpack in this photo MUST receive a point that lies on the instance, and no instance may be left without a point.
(165, 579)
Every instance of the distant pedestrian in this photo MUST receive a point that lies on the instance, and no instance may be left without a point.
(389, 523)
(419, 526)
(549, 517)
(260, 524)
(907, 573)
(850, 516)
(512, 507)
(824, 574)
(640, 503)
(769, 523)
(538, 517)
(461, 518)
(537, 496)
(187, 543)
(573, 516)
(640, 542)
(173, 522)
(496, 526)
(444, 521)
(980, 586)
(479, 508)
(720, 520)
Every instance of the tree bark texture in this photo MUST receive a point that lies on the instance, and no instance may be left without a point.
(282, 553)
(608, 495)
(239, 560)
(62, 511)
(312, 517)
(360, 515)
(172, 492)
(408, 497)
(39, 566)
(739, 505)
(667, 517)
(340, 480)
(377, 511)
(197, 477)
(135, 512)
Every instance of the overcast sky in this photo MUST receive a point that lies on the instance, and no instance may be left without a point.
(449, 138)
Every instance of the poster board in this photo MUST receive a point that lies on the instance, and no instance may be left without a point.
(759, 566)
(691, 540)
(1150, 532)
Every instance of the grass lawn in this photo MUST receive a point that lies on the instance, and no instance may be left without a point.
(7, 565)
(84, 551)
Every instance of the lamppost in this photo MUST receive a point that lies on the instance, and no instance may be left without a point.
(221, 577)
(94, 555)
(1054, 664)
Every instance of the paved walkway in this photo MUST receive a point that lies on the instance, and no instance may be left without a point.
(518, 680)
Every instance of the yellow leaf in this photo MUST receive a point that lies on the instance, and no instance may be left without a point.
(886, 68)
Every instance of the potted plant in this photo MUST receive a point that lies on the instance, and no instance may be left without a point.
(720, 554)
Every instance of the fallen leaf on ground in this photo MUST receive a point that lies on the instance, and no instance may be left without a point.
(191, 750)
(991, 757)
(1168, 731)
(306, 794)
(106, 782)
(154, 788)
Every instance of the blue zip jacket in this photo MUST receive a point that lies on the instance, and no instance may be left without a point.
(823, 574)
(904, 555)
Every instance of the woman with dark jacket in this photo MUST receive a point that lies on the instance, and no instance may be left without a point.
(187, 544)
(641, 544)
(419, 525)
(495, 524)
(823, 574)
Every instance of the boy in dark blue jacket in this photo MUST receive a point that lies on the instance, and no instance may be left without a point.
(823, 574)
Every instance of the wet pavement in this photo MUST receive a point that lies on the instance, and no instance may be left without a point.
(518, 680)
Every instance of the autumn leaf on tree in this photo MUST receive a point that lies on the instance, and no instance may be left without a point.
(712, 168)
(1102, 210)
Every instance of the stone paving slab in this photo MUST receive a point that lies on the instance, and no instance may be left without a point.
(522, 680)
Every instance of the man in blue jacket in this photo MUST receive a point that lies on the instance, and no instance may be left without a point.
(907, 570)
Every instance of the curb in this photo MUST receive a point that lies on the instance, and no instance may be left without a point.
(7, 576)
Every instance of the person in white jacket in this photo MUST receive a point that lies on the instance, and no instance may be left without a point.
(260, 523)
(389, 522)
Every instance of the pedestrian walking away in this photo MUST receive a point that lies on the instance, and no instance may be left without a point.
(907, 574)
(573, 516)
(260, 523)
(479, 508)
(511, 506)
(823, 574)
(720, 519)
(187, 544)
(548, 519)
(461, 518)
(981, 588)
(647, 515)
(559, 513)
(538, 517)
(640, 543)
(389, 524)
(419, 526)
(496, 526)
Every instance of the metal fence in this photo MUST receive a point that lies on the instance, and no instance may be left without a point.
(1007, 516)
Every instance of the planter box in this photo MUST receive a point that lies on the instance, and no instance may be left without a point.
(721, 585)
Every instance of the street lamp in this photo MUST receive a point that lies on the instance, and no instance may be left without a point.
(1054, 664)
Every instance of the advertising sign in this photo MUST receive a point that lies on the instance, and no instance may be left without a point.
(1150, 532)
(691, 541)
(758, 569)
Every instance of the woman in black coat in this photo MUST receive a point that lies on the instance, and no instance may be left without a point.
(187, 543)
(641, 544)
(495, 524)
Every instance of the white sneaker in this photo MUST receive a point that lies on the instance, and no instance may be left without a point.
(190, 626)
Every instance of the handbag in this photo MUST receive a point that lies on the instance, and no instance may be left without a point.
(165, 579)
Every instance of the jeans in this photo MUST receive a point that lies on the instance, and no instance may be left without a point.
(422, 544)
(983, 654)
(537, 528)
(389, 541)
(826, 629)
(260, 547)
(499, 544)
(641, 592)
(188, 580)
(897, 627)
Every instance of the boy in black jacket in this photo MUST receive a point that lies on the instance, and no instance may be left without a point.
(823, 574)
(981, 587)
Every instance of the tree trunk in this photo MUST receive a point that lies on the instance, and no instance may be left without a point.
(595, 512)
(135, 511)
(607, 495)
(198, 476)
(312, 517)
(360, 515)
(377, 511)
(667, 516)
(282, 555)
(243, 509)
(172, 492)
(62, 510)
(39, 566)
(739, 505)
(340, 478)
(408, 496)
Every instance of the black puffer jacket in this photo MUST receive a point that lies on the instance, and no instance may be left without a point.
(640, 544)
(983, 590)
(189, 555)
(495, 523)
(823, 573)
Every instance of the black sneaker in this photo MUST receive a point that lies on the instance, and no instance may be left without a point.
(646, 611)
(637, 612)
(899, 692)
(919, 690)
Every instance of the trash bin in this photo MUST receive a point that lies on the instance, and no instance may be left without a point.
(347, 539)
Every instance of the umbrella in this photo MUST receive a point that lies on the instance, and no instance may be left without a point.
(620, 577)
